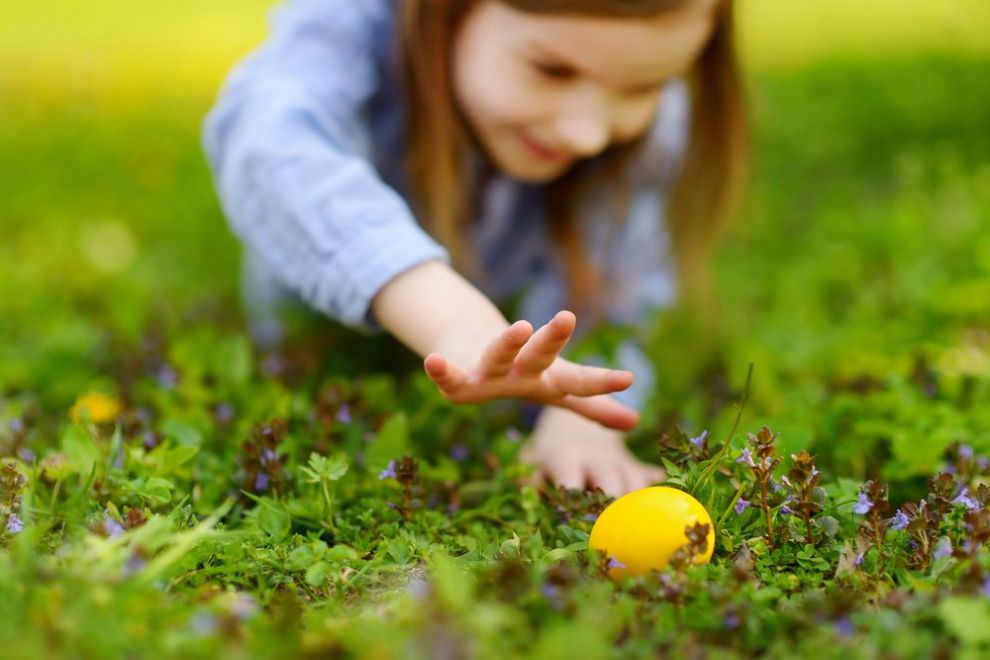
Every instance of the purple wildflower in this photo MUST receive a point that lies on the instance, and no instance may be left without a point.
(844, 627)
(244, 607)
(899, 521)
(167, 377)
(731, 620)
(268, 455)
(389, 472)
(149, 440)
(118, 463)
(459, 452)
(967, 501)
(590, 517)
(986, 587)
(133, 564)
(741, 505)
(26, 455)
(16, 426)
(859, 558)
(224, 413)
(261, 482)
(965, 452)
(863, 504)
(746, 457)
(513, 434)
(699, 441)
(943, 549)
(418, 588)
(786, 510)
(112, 528)
(14, 524)
(550, 591)
(344, 414)
(615, 563)
(203, 624)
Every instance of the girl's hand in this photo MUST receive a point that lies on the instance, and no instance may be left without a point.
(519, 363)
(575, 453)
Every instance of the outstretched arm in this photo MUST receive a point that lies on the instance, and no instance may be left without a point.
(473, 354)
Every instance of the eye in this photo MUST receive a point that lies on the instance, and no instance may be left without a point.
(554, 71)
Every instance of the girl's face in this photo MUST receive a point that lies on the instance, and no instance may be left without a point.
(541, 91)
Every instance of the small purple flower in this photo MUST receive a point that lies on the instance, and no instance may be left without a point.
(615, 563)
(699, 441)
(550, 591)
(965, 452)
(776, 487)
(943, 549)
(741, 505)
(16, 426)
(389, 472)
(950, 469)
(967, 501)
(224, 413)
(261, 482)
(863, 505)
(118, 463)
(133, 565)
(513, 434)
(26, 455)
(590, 517)
(899, 521)
(986, 587)
(112, 528)
(844, 627)
(418, 588)
(786, 510)
(167, 377)
(203, 624)
(459, 452)
(244, 607)
(731, 621)
(14, 524)
(149, 440)
(746, 457)
(859, 558)
(344, 414)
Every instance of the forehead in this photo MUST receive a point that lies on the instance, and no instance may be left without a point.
(626, 49)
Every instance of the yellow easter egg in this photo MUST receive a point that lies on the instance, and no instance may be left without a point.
(640, 531)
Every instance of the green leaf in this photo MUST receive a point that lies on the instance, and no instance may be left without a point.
(967, 618)
(273, 518)
(390, 443)
(80, 449)
(182, 432)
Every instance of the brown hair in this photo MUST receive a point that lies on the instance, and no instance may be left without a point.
(704, 195)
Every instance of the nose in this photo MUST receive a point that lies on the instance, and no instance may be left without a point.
(583, 126)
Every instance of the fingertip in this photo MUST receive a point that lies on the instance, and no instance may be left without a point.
(567, 316)
(621, 380)
(435, 365)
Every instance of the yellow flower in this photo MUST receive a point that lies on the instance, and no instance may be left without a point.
(100, 407)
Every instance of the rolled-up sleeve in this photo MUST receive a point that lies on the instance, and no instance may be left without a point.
(288, 144)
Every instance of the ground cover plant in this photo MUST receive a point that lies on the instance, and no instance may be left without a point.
(166, 489)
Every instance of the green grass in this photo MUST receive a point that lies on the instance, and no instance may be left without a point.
(856, 281)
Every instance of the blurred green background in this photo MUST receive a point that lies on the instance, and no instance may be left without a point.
(863, 251)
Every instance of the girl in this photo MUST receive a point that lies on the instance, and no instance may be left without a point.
(399, 164)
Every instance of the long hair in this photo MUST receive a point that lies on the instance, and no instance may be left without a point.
(703, 198)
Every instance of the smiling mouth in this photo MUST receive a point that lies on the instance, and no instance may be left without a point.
(539, 150)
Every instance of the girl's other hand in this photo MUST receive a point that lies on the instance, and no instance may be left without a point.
(575, 453)
(522, 364)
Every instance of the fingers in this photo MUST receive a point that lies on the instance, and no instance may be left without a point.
(603, 409)
(499, 356)
(448, 377)
(544, 346)
(581, 380)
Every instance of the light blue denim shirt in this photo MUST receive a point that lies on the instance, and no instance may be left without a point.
(305, 144)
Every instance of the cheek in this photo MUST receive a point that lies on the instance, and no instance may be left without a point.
(492, 92)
